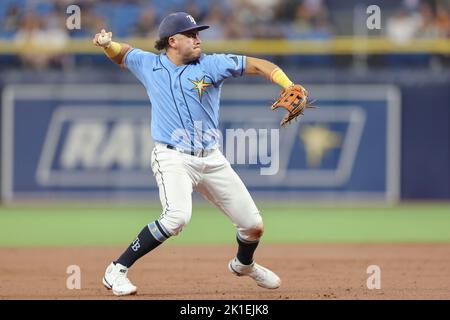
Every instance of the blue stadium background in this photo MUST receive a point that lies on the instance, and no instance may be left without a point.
(423, 77)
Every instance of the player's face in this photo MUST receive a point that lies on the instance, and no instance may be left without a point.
(188, 45)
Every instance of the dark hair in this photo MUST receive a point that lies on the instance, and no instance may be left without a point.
(162, 44)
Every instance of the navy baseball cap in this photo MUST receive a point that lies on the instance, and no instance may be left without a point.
(178, 22)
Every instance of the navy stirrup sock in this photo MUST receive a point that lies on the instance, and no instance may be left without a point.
(151, 236)
(246, 250)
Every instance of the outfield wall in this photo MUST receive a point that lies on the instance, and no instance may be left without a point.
(93, 141)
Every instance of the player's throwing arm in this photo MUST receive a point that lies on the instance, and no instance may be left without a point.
(114, 50)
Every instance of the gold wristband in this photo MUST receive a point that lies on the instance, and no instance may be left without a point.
(279, 77)
(113, 49)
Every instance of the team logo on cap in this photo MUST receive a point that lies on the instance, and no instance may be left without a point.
(200, 86)
(191, 18)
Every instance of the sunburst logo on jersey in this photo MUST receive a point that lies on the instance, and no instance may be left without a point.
(200, 86)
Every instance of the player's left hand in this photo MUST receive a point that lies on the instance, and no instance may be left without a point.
(294, 99)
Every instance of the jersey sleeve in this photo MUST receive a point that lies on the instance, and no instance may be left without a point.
(136, 61)
(223, 66)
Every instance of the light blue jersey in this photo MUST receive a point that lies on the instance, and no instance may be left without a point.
(185, 99)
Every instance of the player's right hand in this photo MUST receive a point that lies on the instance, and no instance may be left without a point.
(102, 39)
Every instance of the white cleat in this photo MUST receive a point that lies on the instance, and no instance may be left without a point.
(115, 278)
(263, 276)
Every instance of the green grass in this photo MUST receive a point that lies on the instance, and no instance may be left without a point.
(118, 225)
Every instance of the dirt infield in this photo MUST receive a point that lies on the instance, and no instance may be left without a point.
(200, 272)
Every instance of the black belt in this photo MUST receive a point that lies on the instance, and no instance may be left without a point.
(198, 153)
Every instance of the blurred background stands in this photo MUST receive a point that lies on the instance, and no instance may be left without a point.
(39, 23)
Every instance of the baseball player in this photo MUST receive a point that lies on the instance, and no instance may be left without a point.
(183, 86)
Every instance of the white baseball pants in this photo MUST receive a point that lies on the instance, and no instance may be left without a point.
(179, 174)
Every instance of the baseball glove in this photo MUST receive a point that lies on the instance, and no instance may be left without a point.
(294, 99)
